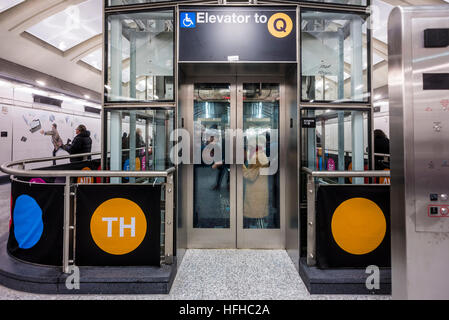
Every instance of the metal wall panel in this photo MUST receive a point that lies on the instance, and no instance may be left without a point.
(418, 125)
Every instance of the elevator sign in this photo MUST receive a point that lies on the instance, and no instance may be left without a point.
(237, 34)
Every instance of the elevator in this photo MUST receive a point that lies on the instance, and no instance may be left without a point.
(238, 123)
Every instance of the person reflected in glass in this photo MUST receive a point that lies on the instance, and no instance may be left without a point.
(219, 165)
(255, 208)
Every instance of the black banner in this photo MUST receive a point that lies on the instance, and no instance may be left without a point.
(353, 226)
(118, 225)
(36, 231)
(231, 34)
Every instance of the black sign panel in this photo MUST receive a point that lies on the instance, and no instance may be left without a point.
(233, 34)
(308, 122)
(36, 225)
(353, 226)
(435, 81)
(118, 225)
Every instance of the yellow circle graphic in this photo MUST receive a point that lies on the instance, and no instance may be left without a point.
(358, 226)
(118, 226)
(280, 25)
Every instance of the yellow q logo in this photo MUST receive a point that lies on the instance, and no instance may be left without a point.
(280, 25)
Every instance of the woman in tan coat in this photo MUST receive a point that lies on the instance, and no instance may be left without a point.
(255, 185)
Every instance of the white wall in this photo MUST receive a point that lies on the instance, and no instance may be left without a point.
(17, 112)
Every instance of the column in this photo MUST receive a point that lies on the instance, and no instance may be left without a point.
(357, 94)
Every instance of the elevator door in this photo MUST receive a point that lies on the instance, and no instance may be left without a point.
(235, 184)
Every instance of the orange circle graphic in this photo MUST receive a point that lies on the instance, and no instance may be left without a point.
(118, 226)
(85, 179)
(358, 226)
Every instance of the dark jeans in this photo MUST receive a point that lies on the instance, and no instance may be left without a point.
(54, 155)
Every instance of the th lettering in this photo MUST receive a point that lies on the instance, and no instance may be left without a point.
(123, 226)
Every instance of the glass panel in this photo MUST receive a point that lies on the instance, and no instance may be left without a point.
(334, 57)
(339, 140)
(211, 176)
(345, 2)
(70, 27)
(140, 56)
(145, 135)
(260, 127)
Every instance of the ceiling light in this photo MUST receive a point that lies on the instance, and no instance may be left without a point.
(86, 96)
(41, 83)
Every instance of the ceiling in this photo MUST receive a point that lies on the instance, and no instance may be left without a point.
(62, 38)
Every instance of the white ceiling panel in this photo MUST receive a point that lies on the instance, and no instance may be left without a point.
(72, 26)
(6, 4)
(94, 59)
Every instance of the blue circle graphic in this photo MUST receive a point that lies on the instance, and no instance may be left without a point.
(28, 224)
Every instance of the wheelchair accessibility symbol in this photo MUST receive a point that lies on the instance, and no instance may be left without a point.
(187, 19)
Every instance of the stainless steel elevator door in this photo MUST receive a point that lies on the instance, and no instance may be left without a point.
(235, 183)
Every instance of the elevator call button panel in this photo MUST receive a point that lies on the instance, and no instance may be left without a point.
(430, 70)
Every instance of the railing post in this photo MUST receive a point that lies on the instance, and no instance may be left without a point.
(311, 220)
(169, 198)
(66, 238)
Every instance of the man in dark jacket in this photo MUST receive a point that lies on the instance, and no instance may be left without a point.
(82, 143)
(382, 146)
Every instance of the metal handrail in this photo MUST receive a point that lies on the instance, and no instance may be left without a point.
(346, 174)
(6, 168)
(68, 174)
(311, 213)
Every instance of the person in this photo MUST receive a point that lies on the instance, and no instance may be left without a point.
(255, 207)
(55, 139)
(140, 142)
(381, 145)
(125, 140)
(219, 165)
(125, 147)
(82, 143)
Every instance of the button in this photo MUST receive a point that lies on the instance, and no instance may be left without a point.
(433, 210)
(433, 197)
(444, 211)
(443, 197)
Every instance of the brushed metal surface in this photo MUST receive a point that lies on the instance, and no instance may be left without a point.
(419, 249)
(431, 127)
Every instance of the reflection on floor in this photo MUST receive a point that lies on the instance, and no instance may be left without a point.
(207, 274)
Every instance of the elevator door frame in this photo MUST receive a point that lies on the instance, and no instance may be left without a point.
(236, 236)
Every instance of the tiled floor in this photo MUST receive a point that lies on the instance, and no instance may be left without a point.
(209, 274)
